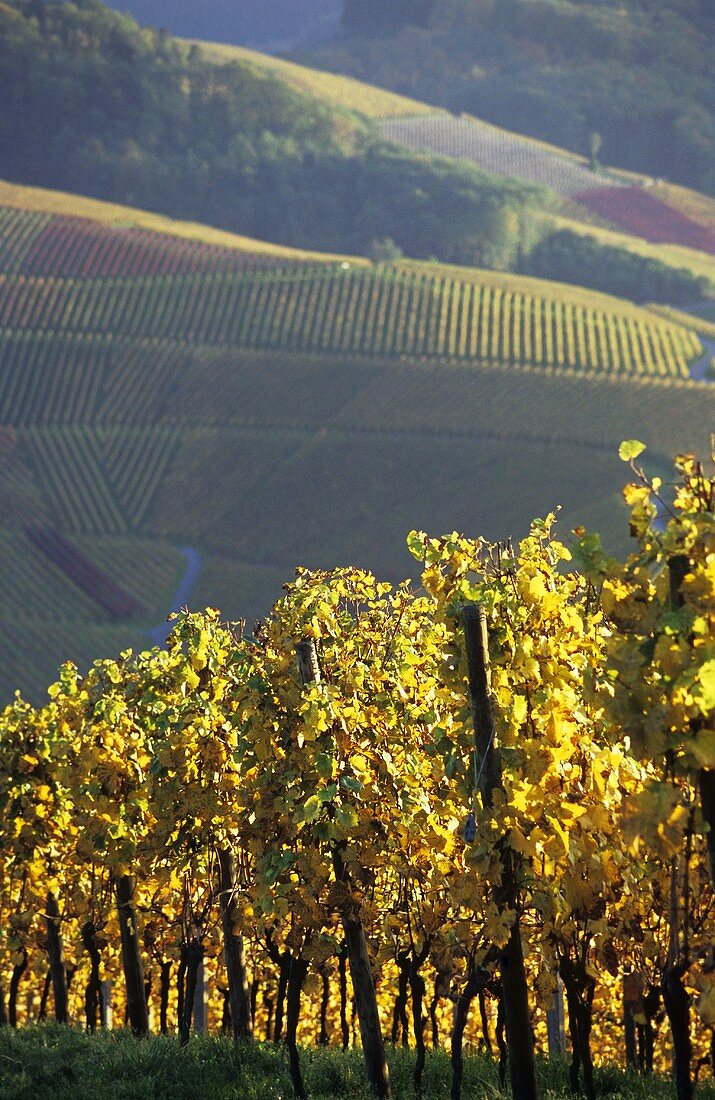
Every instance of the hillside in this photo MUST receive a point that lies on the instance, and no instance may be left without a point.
(95, 104)
(636, 73)
(660, 222)
(185, 421)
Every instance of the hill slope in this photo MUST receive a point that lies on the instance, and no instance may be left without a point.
(663, 222)
(172, 410)
(637, 73)
(93, 103)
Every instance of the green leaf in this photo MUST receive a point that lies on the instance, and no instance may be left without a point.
(324, 764)
(346, 817)
(706, 695)
(415, 544)
(629, 449)
(350, 783)
(311, 809)
(702, 749)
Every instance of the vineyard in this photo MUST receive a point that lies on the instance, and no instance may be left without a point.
(150, 412)
(647, 216)
(325, 834)
(497, 151)
(306, 307)
(669, 214)
(382, 313)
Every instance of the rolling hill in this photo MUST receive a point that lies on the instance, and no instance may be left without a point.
(175, 408)
(630, 80)
(660, 221)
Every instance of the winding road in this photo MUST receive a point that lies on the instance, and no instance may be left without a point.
(159, 634)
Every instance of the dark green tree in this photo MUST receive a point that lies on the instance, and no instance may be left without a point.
(378, 16)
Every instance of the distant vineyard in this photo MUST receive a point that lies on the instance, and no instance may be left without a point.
(47, 618)
(321, 309)
(33, 243)
(645, 215)
(632, 208)
(84, 573)
(32, 648)
(158, 390)
(494, 150)
(99, 481)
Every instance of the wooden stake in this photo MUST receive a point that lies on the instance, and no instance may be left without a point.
(522, 1070)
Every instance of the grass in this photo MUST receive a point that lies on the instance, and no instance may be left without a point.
(53, 1063)
(339, 91)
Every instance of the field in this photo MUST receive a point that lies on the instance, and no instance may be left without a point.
(609, 199)
(163, 396)
(339, 91)
(41, 200)
(661, 215)
(646, 215)
(496, 151)
(59, 1064)
(70, 278)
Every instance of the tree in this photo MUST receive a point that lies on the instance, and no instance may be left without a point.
(376, 17)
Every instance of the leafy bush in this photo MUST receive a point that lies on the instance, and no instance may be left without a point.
(571, 258)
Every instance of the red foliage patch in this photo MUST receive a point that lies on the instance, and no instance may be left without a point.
(634, 210)
(77, 247)
(84, 573)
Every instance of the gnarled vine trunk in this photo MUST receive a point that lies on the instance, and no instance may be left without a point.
(132, 965)
(55, 950)
(241, 1015)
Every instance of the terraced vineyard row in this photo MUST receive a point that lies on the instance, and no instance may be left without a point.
(30, 580)
(34, 243)
(98, 481)
(375, 312)
(146, 569)
(18, 231)
(47, 375)
(494, 150)
(41, 588)
(53, 378)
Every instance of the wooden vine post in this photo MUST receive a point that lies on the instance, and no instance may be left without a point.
(55, 950)
(131, 955)
(239, 999)
(373, 1044)
(522, 1071)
